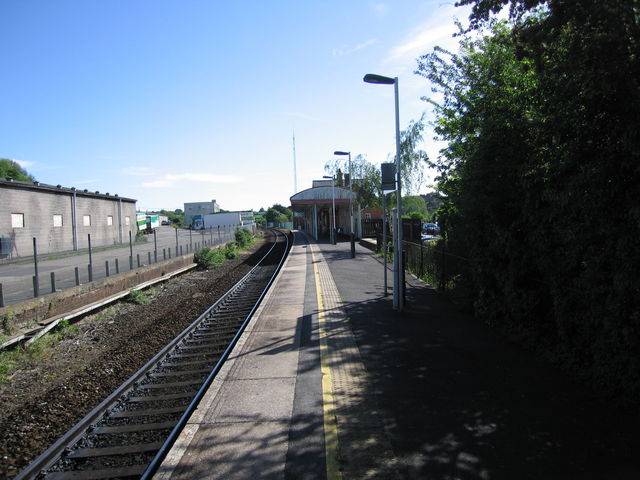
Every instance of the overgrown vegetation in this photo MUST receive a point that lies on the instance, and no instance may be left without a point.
(19, 357)
(540, 175)
(214, 257)
(138, 297)
(244, 238)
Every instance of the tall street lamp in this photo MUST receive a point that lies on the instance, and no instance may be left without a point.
(353, 239)
(333, 209)
(398, 287)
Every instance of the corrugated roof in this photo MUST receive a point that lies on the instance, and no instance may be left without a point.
(324, 194)
(11, 183)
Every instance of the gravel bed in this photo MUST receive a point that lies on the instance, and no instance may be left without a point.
(52, 393)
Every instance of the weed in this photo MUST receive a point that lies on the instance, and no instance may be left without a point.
(8, 322)
(138, 297)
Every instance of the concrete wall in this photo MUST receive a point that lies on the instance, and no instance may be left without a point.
(39, 204)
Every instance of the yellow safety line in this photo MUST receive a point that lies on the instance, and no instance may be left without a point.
(330, 421)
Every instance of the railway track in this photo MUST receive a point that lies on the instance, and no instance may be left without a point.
(130, 432)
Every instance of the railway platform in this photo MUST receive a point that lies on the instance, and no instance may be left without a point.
(329, 382)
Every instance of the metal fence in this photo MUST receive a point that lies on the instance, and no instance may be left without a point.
(30, 278)
(432, 263)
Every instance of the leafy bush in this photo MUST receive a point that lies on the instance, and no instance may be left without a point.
(209, 258)
(230, 250)
(243, 237)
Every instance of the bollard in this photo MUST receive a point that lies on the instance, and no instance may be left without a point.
(138, 256)
(155, 248)
(53, 282)
(149, 255)
(169, 252)
(130, 262)
(77, 272)
(36, 286)
(1, 297)
(106, 268)
(117, 267)
(164, 254)
(180, 249)
(90, 258)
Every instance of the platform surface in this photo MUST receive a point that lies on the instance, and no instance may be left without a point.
(330, 382)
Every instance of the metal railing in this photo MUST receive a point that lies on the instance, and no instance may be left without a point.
(41, 275)
(433, 264)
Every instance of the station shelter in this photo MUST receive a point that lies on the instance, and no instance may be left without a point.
(313, 210)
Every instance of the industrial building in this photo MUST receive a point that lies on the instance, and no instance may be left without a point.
(238, 219)
(60, 218)
(195, 209)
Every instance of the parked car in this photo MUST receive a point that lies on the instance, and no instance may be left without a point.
(431, 228)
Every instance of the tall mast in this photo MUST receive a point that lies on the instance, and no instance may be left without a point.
(295, 171)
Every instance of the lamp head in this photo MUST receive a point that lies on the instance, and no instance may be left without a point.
(341, 153)
(373, 78)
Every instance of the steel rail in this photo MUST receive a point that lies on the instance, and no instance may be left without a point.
(173, 436)
(48, 458)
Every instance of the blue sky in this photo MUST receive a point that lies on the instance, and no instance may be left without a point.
(181, 101)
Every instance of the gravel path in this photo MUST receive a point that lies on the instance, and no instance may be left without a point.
(53, 392)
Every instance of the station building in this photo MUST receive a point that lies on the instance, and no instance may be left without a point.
(312, 210)
(60, 218)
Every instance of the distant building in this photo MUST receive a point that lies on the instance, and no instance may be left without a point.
(60, 218)
(228, 220)
(199, 209)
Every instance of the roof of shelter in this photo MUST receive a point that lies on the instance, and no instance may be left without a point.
(323, 195)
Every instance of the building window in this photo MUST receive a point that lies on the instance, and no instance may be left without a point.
(17, 220)
(126, 220)
(57, 220)
(109, 220)
(86, 220)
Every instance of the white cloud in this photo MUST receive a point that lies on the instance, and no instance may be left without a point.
(422, 42)
(438, 30)
(346, 50)
(170, 179)
(23, 163)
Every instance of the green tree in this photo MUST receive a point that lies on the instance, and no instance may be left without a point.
(275, 216)
(540, 175)
(11, 169)
(284, 211)
(414, 206)
(412, 158)
(365, 178)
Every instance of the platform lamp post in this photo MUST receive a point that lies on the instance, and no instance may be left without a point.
(353, 237)
(333, 210)
(398, 287)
